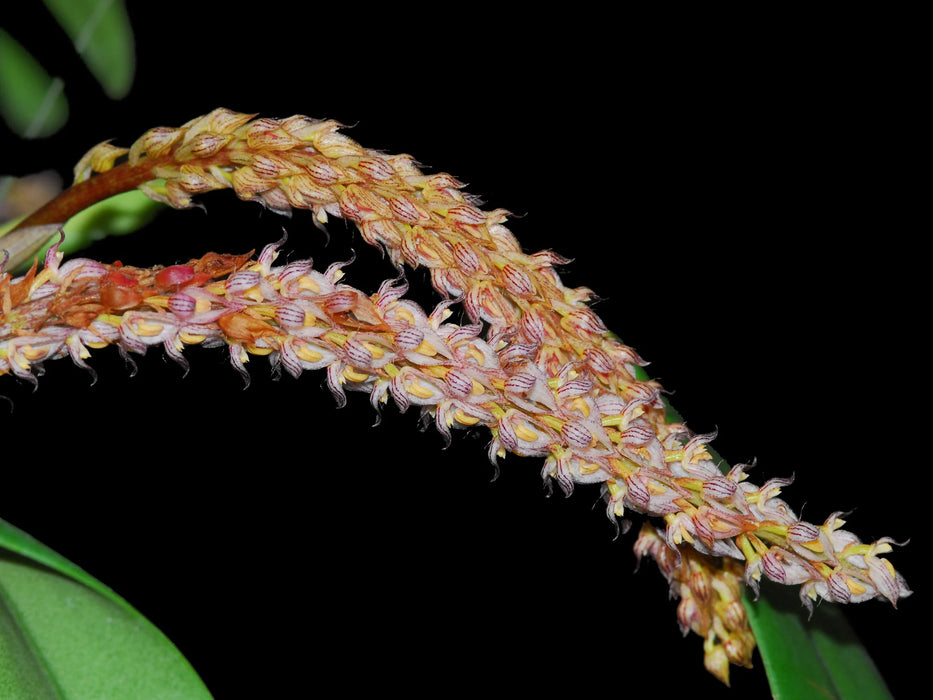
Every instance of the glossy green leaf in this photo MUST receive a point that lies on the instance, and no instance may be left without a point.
(103, 37)
(65, 635)
(117, 216)
(32, 102)
(811, 657)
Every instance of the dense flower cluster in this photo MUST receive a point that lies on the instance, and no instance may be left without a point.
(535, 365)
(710, 598)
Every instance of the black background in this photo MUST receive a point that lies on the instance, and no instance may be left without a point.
(739, 195)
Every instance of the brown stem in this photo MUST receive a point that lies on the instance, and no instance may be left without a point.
(121, 178)
(80, 196)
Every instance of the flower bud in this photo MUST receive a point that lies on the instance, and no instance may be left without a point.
(719, 488)
(182, 305)
(458, 381)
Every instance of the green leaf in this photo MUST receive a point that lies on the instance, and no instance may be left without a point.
(64, 635)
(103, 37)
(32, 102)
(116, 216)
(817, 657)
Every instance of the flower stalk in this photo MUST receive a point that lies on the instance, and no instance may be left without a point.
(534, 365)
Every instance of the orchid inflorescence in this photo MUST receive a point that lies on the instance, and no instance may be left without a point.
(534, 364)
